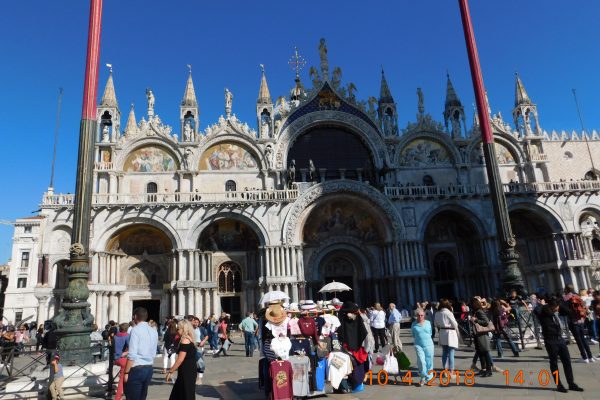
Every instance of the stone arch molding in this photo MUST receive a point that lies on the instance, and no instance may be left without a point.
(238, 215)
(355, 246)
(547, 214)
(295, 217)
(510, 143)
(356, 125)
(483, 229)
(116, 223)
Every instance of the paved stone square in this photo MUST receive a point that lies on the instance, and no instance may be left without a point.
(235, 377)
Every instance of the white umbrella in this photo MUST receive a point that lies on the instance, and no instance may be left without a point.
(334, 287)
(275, 295)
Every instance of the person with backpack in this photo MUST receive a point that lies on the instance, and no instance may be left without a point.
(576, 314)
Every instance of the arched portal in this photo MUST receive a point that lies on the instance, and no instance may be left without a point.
(235, 264)
(344, 240)
(137, 259)
(537, 250)
(456, 257)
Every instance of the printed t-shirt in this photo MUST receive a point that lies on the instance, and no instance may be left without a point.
(281, 374)
(340, 366)
(300, 366)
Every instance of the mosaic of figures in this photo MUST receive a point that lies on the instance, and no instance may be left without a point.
(503, 155)
(227, 157)
(422, 152)
(228, 235)
(341, 218)
(150, 159)
(136, 241)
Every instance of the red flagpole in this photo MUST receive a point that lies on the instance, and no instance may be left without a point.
(90, 87)
(511, 274)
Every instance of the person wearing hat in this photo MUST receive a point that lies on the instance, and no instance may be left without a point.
(352, 333)
(56, 389)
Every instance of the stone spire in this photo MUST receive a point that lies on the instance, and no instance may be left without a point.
(109, 98)
(131, 127)
(264, 97)
(451, 96)
(454, 113)
(385, 96)
(189, 96)
(521, 96)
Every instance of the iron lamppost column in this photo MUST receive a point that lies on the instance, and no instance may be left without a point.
(511, 274)
(74, 322)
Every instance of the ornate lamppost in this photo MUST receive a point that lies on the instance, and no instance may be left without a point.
(511, 274)
(74, 321)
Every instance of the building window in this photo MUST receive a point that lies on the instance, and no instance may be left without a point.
(151, 188)
(230, 186)
(18, 316)
(27, 229)
(21, 283)
(25, 259)
(230, 278)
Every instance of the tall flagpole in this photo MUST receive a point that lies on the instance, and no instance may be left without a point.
(74, 322)
(56, 130)
(511, 274)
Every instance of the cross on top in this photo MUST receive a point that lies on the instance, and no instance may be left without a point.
(297, 62)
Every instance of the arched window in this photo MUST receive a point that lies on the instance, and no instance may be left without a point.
(428, 180)
(595, 244)
(590, 176)
(230, 278)
(230, 186)
(151, 188)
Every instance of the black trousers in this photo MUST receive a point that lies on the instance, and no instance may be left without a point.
(556, 350)
(379, 335)
(577, 331)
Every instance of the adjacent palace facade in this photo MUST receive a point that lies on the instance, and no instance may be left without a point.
(329, 187)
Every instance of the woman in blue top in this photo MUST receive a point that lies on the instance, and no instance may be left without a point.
(421, 331)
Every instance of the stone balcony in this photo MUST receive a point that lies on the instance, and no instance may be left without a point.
(176, 199)
(477, 190)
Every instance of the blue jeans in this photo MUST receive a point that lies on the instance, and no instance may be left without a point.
(249, 343)
(448, 355)
(138, 380)
(498, 338)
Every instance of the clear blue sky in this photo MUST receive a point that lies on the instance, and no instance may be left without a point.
(552, 44)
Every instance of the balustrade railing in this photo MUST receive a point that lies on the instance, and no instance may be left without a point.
(443, 191)
(254, 196)
(103, 165)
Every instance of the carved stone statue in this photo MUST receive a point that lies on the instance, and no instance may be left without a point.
(292, 172)
(455, 127)
(228, 102)
(312, 171)
(269, 156)
(324, 61)
(186, 159)
(187, 131)
(351, 90)
(336, 77)
(105, 132)
(150, 97)
(372, 112)
(264, 128)
(421, 105)
(314, 76)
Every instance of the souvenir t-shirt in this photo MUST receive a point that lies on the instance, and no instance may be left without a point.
(340, 366)
(281, 347)
(281, 374)
(308, 327)
(293, 326)
(300, 366)
(301, 346)
(331, 324)
(279, 329)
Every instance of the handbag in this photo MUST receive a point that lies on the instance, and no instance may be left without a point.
(482, 330)
(379, 359)
(403, 361)
(390, 364)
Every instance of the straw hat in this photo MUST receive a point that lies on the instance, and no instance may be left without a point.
(275, 313)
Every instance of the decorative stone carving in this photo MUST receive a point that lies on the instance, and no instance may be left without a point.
(341, 186)
(323, 58)
(228, 102)
(76, 250)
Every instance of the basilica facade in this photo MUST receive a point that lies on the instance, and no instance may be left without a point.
(328, 187)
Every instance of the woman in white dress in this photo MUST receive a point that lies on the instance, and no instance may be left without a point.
(448, 329)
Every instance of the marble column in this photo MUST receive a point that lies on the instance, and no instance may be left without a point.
(267, 259)
(216, 303)
(295, 292)
(206, 301)
(174, 302)
(294, 268)
(180, 301)
(198, 301)
(573, 279)
(92, 300)
(182, 266)
(98, 313)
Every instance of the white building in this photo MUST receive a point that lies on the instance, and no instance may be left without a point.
(330, 188)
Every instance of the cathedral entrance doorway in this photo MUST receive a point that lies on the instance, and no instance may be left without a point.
(341, 266)
(230, 289)
(153, 307)
(444, 275)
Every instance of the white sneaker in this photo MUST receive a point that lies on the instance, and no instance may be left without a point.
(585, 360)
(594, 341)
(592, 359)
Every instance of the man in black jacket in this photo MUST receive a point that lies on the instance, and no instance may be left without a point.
(556, 347)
